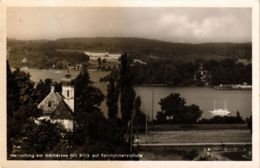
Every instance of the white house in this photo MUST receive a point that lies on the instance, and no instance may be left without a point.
(59, 107)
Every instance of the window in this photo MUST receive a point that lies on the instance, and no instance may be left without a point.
(49, 104)
(68, 93)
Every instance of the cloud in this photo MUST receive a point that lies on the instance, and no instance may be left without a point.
(168, 24)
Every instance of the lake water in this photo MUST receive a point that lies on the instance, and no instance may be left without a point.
(204, 97)
(57, 75)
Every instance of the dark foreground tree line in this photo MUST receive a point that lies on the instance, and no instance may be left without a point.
(93, 133)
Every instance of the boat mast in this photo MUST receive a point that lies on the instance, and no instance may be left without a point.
(225, 108)
(214, 104)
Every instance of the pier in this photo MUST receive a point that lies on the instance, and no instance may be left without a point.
(233, 87)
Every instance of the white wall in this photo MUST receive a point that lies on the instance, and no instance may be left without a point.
(69, 100)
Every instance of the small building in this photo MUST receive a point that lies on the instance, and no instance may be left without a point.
(201, 77)
(59, 107)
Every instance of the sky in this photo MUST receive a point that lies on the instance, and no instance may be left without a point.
(173, 24)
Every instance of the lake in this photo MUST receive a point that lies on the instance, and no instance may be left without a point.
(57, 75)
(240, 100)
(237, 100)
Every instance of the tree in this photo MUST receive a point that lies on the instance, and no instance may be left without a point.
(239, 118)
(82, 58)
(88, 116)
(21, 106)
(42, 138)
(189, 115)
(249, 123)
(22, 109)
(104, 61)
(172, 104)
(58, 87)
(140, 117)
(24, 135)
(43, 88)
(127, 91)
(175, 110)
(160, 118)
(112, 99)
(99, 62)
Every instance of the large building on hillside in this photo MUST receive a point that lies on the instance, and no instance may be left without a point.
(103, 54)
(59, 107)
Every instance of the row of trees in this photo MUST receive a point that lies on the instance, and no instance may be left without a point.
(223, 120)
(179, 73)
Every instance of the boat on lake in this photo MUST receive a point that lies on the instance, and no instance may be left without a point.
(220, 112)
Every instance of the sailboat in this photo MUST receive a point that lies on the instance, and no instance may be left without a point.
(220, 112)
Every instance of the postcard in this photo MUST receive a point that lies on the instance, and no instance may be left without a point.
(130, 83)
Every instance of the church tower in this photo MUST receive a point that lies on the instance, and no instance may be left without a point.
(68, 90)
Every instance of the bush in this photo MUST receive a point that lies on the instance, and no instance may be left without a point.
(192, 154)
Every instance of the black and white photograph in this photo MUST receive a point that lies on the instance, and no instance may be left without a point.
(129, 83)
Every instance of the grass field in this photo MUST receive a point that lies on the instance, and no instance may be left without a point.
(198, 136)
(182, 127)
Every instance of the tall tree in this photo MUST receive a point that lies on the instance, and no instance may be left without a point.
(21, 106)
(127, 91)
(112, 99)
(140, 117)
(43, 88)
(88, 116)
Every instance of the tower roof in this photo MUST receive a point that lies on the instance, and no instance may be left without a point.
(67, 79)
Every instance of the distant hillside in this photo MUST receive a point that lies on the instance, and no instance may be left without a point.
(36, 50)
(146, 47)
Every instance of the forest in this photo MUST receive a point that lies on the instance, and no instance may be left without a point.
(226, 71)
(46, 53)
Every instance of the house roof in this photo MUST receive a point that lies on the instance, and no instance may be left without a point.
(54, 106)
